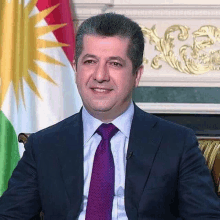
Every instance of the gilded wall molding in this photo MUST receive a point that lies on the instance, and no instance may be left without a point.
(195, 58)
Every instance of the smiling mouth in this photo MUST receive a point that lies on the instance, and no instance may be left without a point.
(99, 90)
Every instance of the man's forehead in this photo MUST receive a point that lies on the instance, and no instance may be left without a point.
(91, 47)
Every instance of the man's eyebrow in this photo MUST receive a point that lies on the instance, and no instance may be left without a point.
(89, 56)
(110, 58)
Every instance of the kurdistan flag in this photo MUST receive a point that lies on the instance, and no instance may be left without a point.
(37, 84)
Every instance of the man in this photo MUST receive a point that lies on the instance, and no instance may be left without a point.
(135, 166)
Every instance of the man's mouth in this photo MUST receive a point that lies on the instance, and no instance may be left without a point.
(101, 90)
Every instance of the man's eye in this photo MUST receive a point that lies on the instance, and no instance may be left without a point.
(116, 64)
(89, 61)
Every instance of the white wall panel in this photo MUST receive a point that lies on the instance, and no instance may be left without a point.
(147, 2)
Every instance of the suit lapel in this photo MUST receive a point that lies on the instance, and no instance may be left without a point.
(71, 161)
(144, 142)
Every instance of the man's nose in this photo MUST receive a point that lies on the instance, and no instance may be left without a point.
(101, 73)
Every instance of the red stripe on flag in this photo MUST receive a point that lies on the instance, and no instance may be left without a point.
(60, 15)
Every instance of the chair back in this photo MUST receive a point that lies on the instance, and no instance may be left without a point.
(210, 147)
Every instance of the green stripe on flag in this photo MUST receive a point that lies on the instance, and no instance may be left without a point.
(9, 154)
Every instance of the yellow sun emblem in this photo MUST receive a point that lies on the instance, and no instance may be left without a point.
(20, 44)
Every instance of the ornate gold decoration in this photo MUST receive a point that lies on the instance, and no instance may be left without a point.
(195, 59)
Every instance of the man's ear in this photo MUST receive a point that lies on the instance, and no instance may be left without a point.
(74, 65)
(74, 68)
(138, 75)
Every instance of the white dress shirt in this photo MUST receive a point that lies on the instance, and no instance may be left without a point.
(119, 146)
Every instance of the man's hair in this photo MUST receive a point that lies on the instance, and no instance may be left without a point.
(111, 24)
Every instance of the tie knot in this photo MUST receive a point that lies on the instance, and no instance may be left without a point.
(107, 131)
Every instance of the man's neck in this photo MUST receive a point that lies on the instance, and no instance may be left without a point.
(106, 117)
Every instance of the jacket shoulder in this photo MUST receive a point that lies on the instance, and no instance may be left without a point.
(164, 125)
(64, 124)
(59, 129)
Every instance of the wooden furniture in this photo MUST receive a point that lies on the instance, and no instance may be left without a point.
(210, 147)
(23, 137)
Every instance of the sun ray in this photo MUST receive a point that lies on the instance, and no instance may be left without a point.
(36, 69)
(41, 15)
(32, 85)
(45, 58)
(16, 89)
(46, 29)
(22, 91)
(47, 44)
(30, 6)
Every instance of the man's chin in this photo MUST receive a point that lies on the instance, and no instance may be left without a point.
(101, 106)
(101, 110)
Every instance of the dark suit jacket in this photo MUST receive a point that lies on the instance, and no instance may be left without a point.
(166, 176)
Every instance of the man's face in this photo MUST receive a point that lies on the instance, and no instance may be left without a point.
(104, 76)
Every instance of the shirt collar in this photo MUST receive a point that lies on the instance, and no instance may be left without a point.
(122, 122)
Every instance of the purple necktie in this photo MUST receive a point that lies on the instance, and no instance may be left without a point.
(101, 191)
